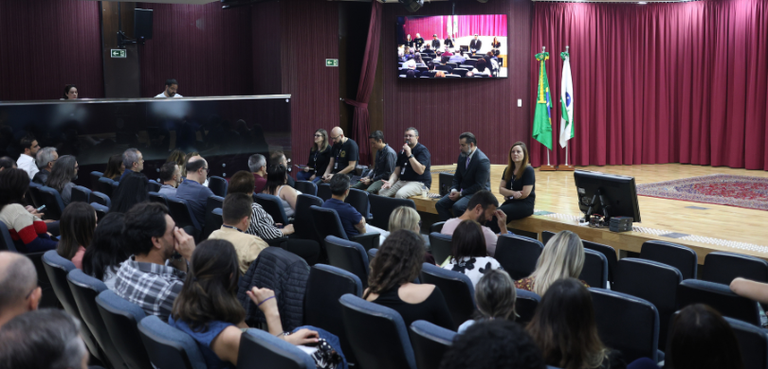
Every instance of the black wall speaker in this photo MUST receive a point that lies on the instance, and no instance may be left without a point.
(142, 24)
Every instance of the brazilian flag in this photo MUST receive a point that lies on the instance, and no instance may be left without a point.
(542, 118)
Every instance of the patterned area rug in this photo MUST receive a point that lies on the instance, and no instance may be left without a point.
(723, 189)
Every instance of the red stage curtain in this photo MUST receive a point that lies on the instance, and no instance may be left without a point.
(361, 120)
(659, 83)
(468, 25)
(426, 26)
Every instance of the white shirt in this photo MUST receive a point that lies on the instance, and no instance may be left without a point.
(162, 96)
(27, 163)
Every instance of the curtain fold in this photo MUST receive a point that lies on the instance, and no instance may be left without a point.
(361, 120)
(468, 25)
(659, 83)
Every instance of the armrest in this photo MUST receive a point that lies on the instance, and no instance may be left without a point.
(436, 227)
(369, 240)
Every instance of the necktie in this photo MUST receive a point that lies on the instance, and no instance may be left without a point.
(467, 164)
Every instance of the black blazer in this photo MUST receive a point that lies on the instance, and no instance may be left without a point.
(476, 44)
(474, 178)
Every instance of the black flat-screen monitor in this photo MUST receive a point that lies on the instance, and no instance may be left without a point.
(452, 46)
(610, 195)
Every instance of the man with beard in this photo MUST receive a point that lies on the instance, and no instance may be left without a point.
(152, 238)
(481, 208)
(473, 173)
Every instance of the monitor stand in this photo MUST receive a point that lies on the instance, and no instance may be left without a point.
(604, 204)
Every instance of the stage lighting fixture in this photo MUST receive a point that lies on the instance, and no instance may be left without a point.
(412, 5)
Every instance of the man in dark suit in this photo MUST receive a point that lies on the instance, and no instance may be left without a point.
(449, 42)
(475, 45)
(473, 173)
(435, 42)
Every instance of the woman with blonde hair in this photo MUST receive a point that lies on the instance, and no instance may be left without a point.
(404, 217)
(563, 257)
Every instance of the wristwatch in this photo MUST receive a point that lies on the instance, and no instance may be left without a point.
(410, 156)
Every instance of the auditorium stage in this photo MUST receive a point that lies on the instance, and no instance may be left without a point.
(713, 228)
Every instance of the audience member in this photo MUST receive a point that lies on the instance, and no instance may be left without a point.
(385, 162)
(70, 92)
(351, 219)
(170, 176)
(19, 292)
(236, 216)
(26, 160)
(208, 310)
(177, 156)
(495, 295)
(443, 62)
(473, 173)
(171, 88)
(6, 162)
(475, 45)
(263, 226)
(457, 58)
(565, 330)
(480, 208)
(152, 238)
(131, 191)
(493, 344)
(43, 339)
(700, 338)
(278, 158)
(277, 185)
(410, 74)
(62, 175)
(562, 257)
(115, 167)
(411, 174)
(517, 184)
(418, 59)
(133, 162)
(106, 252)
(257, 164)
(404, 217)
(319, 158)
(468, 252)
(481, 68)
(344, 155)
(193, 191)
(29, 233)
(396, 265)
(46, 158)
(78, 222)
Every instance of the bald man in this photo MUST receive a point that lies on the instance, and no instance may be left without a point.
(19, 292)
(193, 191)
(344, 155)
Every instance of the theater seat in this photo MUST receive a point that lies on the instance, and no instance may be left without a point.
(457, 289)
(518, 255)
(430, 342)
(349, 256)
(259, 349)
(121, 319)
(525, 305)
(169, 347)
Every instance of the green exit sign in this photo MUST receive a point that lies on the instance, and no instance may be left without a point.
(331, 62)
(118, 53)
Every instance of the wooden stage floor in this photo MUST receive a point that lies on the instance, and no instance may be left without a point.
(714, 228)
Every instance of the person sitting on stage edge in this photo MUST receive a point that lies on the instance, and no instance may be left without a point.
(383, 167)
(411, 174)
(473, 173)
(481, 208)
(344, 155)
(29, 233)
(562, 257)
(518, 183)
(319, 157)
(193, 191)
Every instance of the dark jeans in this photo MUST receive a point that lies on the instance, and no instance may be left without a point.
(515, 209)
(446, 205)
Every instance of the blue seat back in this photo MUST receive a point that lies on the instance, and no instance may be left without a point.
(724, 267)
(390, 347)
(518, 255)
(626, 323)
(324, 191)
(53, 203)
(181, 213)
(327, 223)
(681, 257)
(307, 187)
(153, 186)
(106, 186)
(382, 207)
(6, 242)
(349, 256)
(719, 297)
(430, 342)
(595, 271)
(101, 210)
(34, 194)
(525, 305)
(753, 342)
(273, 206)
(359, 200)
(302, 221)
(80, 193)
(157, 197)
(259, 349)
(218, 186)
(121, 318)
(608, 251)
(457, 289)
(95, 178)
(440, 246)
(101, 198)
(168, 347)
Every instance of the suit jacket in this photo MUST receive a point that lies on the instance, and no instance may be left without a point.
(472, 178)
(475, 44)
(449, 42)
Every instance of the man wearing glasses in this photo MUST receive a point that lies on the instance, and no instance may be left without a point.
(133, 161)
(193, 191)
(412, 171)
(344, 155)
(19, 292)
(26, 160)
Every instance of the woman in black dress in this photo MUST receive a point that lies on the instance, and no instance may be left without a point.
(495, 45)
(517, 184)
(319, 157)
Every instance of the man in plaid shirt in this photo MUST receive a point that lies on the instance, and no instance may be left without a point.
(145, 278)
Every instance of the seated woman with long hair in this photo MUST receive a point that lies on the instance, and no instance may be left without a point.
(495, 295)
(28, 231)
(62, 175)
(131, 191)
(319, 158)
(208, 310)
(468, 252)
(396, 265)
(565, 330)
(277, 177)
(563, 257)
(78, 222)
(700, 338)
(104, 255)
(115, 167)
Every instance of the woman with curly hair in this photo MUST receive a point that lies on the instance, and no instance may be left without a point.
(396, 265)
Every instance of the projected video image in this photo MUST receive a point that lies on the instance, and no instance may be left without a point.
(452, 46)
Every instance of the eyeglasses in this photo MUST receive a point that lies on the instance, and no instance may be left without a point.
(318, 135)
(333, 138)
(206, 169)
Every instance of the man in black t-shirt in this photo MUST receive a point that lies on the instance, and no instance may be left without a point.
(411, 174)
(344, 155)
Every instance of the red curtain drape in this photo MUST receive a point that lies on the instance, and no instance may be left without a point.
(659, 83)
(361, 120)
(468, 25)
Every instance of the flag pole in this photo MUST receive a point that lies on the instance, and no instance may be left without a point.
(549, 166)
(566, 166)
